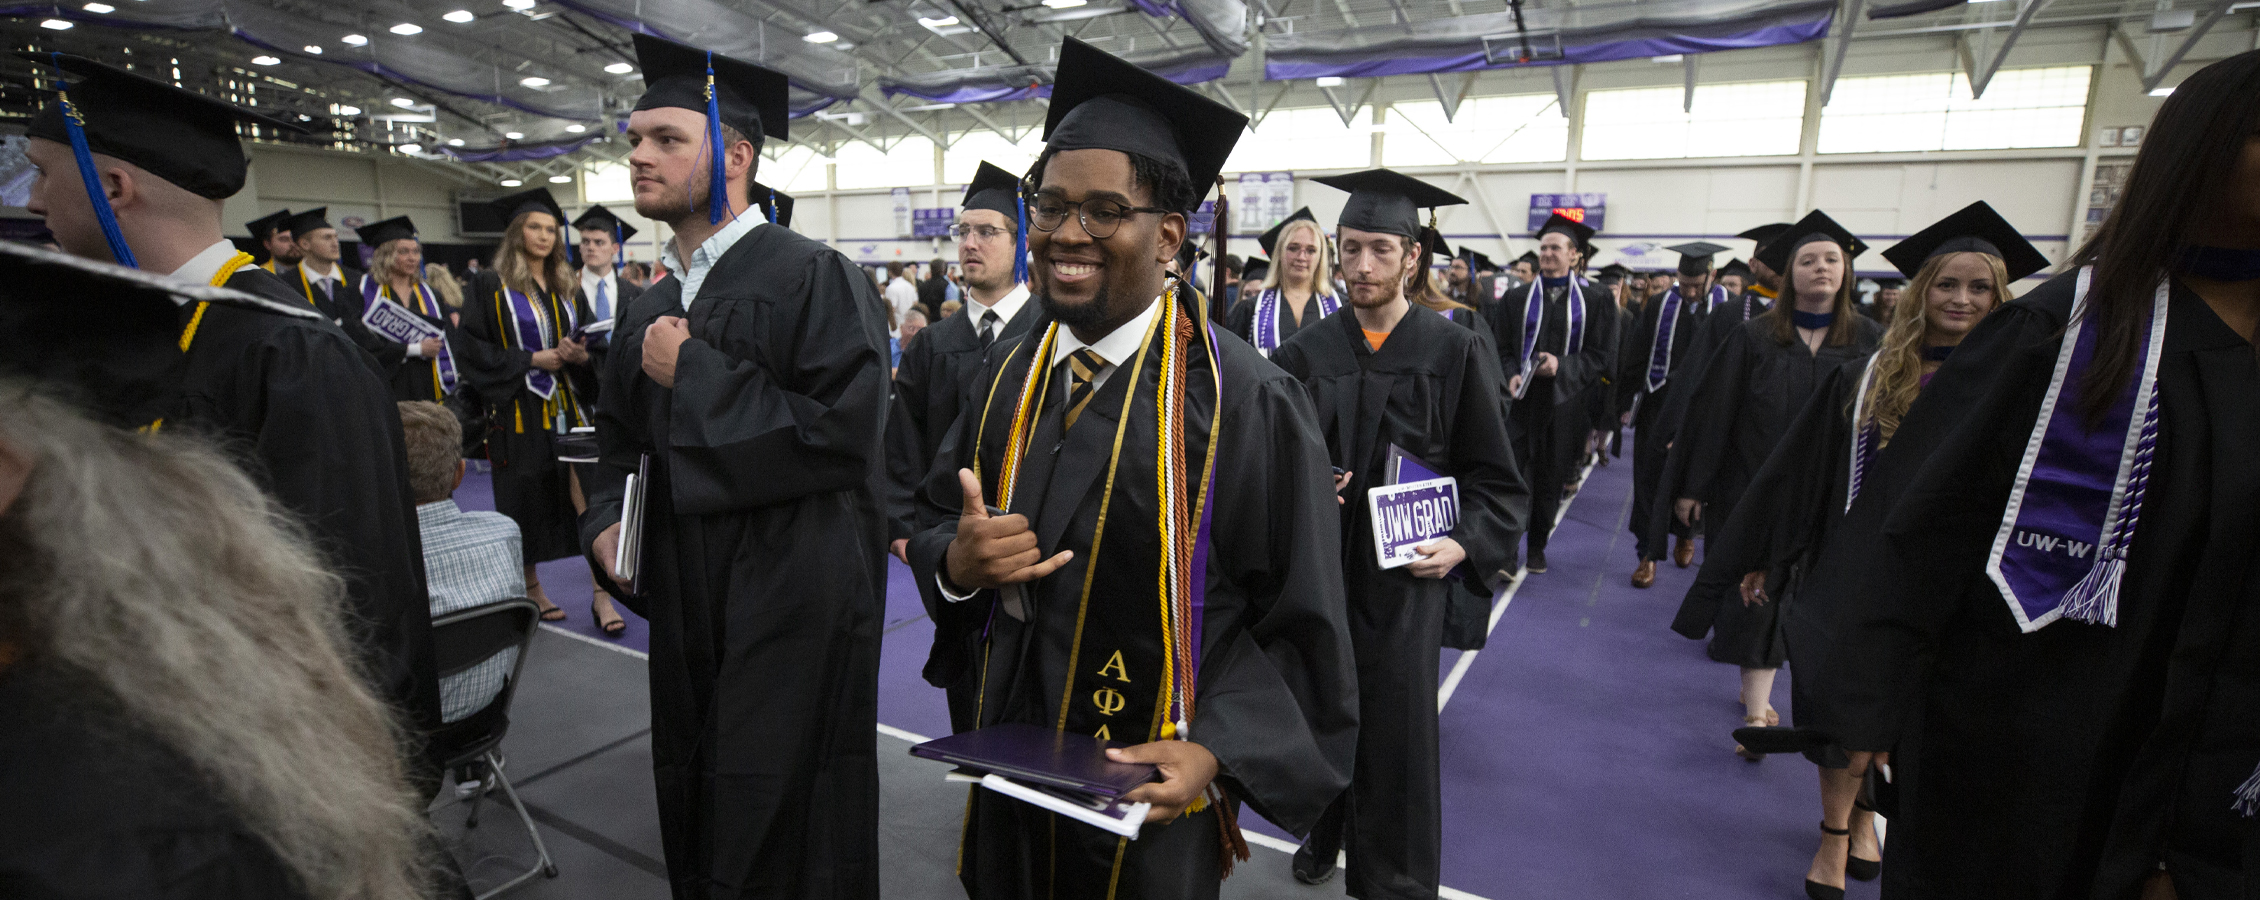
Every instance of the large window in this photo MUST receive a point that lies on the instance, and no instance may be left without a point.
(964, 158)
(1752, 119)
(2021, 108)
(1312, 138)
(792, 168)
(606, 183)
(908, 162)
(1515, 129)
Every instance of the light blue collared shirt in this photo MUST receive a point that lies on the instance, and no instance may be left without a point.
(693, 276)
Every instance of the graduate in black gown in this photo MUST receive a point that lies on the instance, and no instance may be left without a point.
(1237, 680)
(1388, 375)
(754, 380)
(1295, 290)
(1556, 338)
(306, 413)
(521, 354)
(396, 276)
(605, 293)
(935, 382)
(1738, 410)
(272, 233)
(2064, 672)
(1961, 267)
(1649, 363)
(324, 281)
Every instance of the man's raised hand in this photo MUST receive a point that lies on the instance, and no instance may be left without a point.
(990, 551)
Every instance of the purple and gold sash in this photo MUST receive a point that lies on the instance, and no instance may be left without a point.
(1534, 316)
(2061, 551)
(426, 305)
(533, 330)
(1269, 309)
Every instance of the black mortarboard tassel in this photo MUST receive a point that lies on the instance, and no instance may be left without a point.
(1974, 228)
(1387, 202)
(266, 225)
(181, 136)
(1269, 240)
(377, 234)
(1815, 226)
(1100, 102)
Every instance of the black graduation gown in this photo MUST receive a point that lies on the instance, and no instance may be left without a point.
(1276, 699)
(1650, 439)
(530, 485)
(345, 311)
(98, 808)
(930, 387)
(2067, 762)
(600, 346)
(1752, 389)
(1548, 425)
(763, 566)
(1432, 390)
(1241, 320)
(417, 378)
(308, 415)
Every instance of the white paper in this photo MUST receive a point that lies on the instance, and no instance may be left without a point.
(631, 530)
(1118, 818)
(395, 323)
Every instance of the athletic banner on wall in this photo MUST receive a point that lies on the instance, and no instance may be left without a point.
(1590, 209)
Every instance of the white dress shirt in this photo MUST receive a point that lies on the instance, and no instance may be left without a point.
(1006, 307)
(336, 279)
(611, 282)
(1116, 347)
(901, 295)
(693, 274)
(201, 268)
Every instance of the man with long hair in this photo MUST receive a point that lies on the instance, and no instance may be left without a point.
(753, 380)
(1234, 678)
(304, 410)
(2108, 412)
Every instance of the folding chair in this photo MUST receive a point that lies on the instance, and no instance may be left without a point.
(461, 640)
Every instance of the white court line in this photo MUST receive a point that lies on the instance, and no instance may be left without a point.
(608, 645)
(1521, 576)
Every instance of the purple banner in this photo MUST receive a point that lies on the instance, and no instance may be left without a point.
(514, 152)
(932, 223)
(1408, 515)
(1590, 209)
(1575, 49)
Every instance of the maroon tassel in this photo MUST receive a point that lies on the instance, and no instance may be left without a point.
(1235, 845)
(1216, 231)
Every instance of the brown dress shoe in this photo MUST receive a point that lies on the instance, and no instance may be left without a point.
(1645, 575)
(1682, 552)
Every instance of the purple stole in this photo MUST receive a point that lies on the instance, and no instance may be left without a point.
(1269, 309)
(1534, 315)
(534, 331)
(427, 306)
(2061, 551)
(1667, 326)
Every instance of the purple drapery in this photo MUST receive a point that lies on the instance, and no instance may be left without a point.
(1597, 48)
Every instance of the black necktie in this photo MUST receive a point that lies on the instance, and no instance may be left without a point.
(988, 328)
(1083, 367)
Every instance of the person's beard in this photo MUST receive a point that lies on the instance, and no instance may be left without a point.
(669, 207)
(1373, 296)
(1085, 316)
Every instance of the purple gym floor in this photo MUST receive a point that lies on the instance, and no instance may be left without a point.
(1585, 752)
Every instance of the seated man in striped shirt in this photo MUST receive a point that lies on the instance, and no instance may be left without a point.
(471, 559)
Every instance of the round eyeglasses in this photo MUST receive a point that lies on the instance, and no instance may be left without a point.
(1099, 216)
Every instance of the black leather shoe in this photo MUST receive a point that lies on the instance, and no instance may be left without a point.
(1537, 560)
(1309, 869)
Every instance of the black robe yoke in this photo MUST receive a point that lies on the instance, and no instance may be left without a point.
(1276, 697)
(1752, 389)
(307, 415)
(1432, 390)
(930, 386)
(2070, 761)
(1548, 425)
(1651, 440)
(530, 485)
(763, 567)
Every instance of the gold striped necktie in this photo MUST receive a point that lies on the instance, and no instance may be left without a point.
(1083, 366)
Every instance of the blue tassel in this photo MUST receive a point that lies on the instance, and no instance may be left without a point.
(718, 189)
(2096, 597)
(1020, 243)
(2248, 795)
(769, 209)
(99, 198)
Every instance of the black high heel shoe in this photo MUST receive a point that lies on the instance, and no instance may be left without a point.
(1856, 868)
(615, 628)
(1818, 891)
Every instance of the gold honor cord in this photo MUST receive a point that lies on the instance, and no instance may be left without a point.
(188, 333)
(423, 300)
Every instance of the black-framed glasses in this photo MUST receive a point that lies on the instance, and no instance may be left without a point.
(1099, 216)
(961, 232)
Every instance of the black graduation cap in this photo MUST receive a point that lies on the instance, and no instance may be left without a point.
(1104, 103)
(124, 372)
(1528, 256)
(1973, 228)
(1387, 202)
(1476, 262)
(1578, 232)
(995, 189)
(1254, 270)
(393, 229)
(748, 97)
(181, 136)
(310, 221)
(1764, 233)
(534, 200)
(1695, 258)
(1736, 267)
(597, 218)
(1815, 226)
(265, 225)
(777, 203)
(1612, 273)
(1189, 253)
(1269, 240)
(1889, 283)
(1432, 241)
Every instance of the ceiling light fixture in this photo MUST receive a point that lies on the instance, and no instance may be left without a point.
(354, 39)
(943, 22)
(620, 68)
(411, 148)
(56, 24)
(1065, 4)
(2162, 92)
(404, 103)
(1326, 81)
(100, 8)
(511, 182)
(820, 37)
(534, 81)
(265, 61)
(349, 110)
(406, 28)
(461, 16)
(315, 49)
(519, 4)
(514, 135)
(455, 142)
(560, 179)
(576, 128)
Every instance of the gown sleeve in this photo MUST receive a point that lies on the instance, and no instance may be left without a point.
(1240, 319)
(906, 430)
(494, 370)
(1785, 512)
(1580, 371)
(732, 425)
(1494, 498)
(1632, 353)
(1705, 437)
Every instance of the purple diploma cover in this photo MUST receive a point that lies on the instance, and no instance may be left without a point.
(1040, 756)
(1408, 515)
